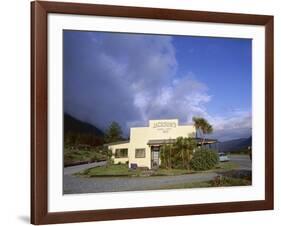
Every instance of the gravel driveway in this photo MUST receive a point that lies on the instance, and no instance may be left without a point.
(74, 169)
(74, 184)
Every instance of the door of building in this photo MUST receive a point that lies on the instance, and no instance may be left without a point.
(155, 150)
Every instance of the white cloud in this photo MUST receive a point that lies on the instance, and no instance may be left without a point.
(182, 100)
(236, 125)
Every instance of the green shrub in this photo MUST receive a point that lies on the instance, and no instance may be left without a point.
(221, 181)
(204, 160)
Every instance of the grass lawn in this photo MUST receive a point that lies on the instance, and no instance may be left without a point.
(204, 184)
(107, 171)
(226, 166)
(221, 166)
(224, 182)
(171, 172)
(123, 170)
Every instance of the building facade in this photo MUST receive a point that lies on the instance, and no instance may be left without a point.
(143, 148)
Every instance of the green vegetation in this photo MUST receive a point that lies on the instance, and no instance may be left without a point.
(170, 172)
(123, 170)
(204, 160)
(184, 153)
(77, 132)
(226, 166)
(113, 133)
(110, 170)
(75, 138)
(84, 147)
(203, 127)
(85, 153)
(203, 184)
(217, 182)
(223, 181)
(177, 155)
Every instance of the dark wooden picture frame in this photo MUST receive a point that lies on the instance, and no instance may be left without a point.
(39, 112)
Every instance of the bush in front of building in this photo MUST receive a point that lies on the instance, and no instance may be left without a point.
(204, 159)
(177, 155)
(166, 153)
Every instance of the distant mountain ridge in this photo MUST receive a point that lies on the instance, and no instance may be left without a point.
(74, 125)
(235, 145)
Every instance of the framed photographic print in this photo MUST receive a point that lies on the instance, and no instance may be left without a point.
(148, 112)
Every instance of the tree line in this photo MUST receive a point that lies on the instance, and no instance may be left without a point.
(112, 134)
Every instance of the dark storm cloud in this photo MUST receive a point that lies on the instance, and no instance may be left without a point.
(102, 74)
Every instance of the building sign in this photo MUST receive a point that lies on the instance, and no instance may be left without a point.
(164, 126)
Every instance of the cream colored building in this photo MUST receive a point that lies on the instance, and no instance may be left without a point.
(142, 150)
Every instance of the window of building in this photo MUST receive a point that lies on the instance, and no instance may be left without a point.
(121, 153)
(140, 153)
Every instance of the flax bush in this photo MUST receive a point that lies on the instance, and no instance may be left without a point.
(204, 159)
